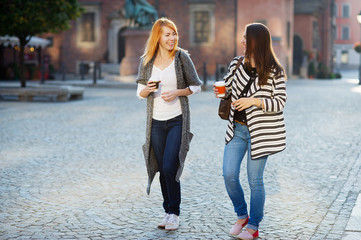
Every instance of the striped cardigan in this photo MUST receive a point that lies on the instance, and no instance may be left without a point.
(266, 126)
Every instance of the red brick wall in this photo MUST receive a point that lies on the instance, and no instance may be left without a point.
(303, 28)
(65, 46)
(276, 13)
(221, 51)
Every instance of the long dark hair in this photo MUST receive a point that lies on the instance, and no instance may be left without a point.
(259, 46)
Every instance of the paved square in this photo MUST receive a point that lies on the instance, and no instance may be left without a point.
(75, 170)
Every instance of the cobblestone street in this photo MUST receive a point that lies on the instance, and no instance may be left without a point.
(76, 170)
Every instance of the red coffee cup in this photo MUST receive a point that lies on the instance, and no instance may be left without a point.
(221, 87)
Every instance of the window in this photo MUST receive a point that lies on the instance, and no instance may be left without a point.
(201, 24)
(202, 27)
(345, 33)
(344, 57)
(315, 35)
(335, 10)
(345, 11)
(87, 27)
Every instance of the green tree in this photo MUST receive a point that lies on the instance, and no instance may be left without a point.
(27, 18)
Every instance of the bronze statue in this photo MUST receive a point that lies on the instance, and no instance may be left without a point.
(140, 13)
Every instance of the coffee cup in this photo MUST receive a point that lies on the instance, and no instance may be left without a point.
(221, 87)
(157, 81)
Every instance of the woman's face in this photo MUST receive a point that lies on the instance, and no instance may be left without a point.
(168, 38)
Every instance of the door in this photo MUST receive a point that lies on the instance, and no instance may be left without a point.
(121, 45)
(297, 54)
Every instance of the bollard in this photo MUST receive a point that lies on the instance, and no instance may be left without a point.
(205, 74)
(99, 71)
(82, 70)
(217, 71)
(63, 71)
(95, 73)
(42, 71)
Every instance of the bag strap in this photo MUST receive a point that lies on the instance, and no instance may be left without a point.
(238, 64)
(246, 88)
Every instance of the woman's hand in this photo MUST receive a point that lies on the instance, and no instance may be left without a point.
(215, 91)
(244, 103)
(151, 86)
(170, 95)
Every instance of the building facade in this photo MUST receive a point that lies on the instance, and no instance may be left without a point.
(306, 34)
(211, 30)
(348, 33)
(277, 15)
(314, 33)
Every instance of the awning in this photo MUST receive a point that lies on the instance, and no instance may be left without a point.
(34, 41)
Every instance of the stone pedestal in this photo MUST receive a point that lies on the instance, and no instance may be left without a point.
(134, 48)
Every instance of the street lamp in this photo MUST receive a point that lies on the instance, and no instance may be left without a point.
(359, 76)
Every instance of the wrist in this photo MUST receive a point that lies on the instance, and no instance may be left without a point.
(178, 92)
(255, 102)
(190, 91)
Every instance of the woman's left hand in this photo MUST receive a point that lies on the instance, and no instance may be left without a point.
(169, 96)
(243, 103)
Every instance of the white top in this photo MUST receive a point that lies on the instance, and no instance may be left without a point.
(165, 110)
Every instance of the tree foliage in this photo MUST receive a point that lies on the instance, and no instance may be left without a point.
(27, 18)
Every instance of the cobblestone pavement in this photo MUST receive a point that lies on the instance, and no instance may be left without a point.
(75, 170)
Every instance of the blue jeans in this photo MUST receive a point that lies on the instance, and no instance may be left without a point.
(233, 155)
(166, 139)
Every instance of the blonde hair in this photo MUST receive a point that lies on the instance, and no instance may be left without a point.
(152, 45)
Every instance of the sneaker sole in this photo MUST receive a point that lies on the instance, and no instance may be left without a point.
(171, 229)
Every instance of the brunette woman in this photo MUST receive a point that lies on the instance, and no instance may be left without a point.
(168, 117)
(255, 125)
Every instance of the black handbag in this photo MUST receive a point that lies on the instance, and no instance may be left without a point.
(225, 103)
(224, 107)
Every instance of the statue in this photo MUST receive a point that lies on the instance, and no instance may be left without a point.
(140, 13)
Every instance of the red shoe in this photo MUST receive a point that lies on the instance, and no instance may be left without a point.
(237, 228)
(245, 235)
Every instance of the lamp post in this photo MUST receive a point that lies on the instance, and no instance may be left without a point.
(359, 21)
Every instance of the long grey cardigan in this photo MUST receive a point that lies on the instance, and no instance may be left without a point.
(186, 75)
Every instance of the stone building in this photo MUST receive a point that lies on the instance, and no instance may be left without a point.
(303, 33)
(210, 30)
(314, 32)
(347, 34)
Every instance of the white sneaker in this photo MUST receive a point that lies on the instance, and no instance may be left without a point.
(164, 221)
(173, 222)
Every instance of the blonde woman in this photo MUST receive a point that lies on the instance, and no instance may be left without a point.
(168, 117)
